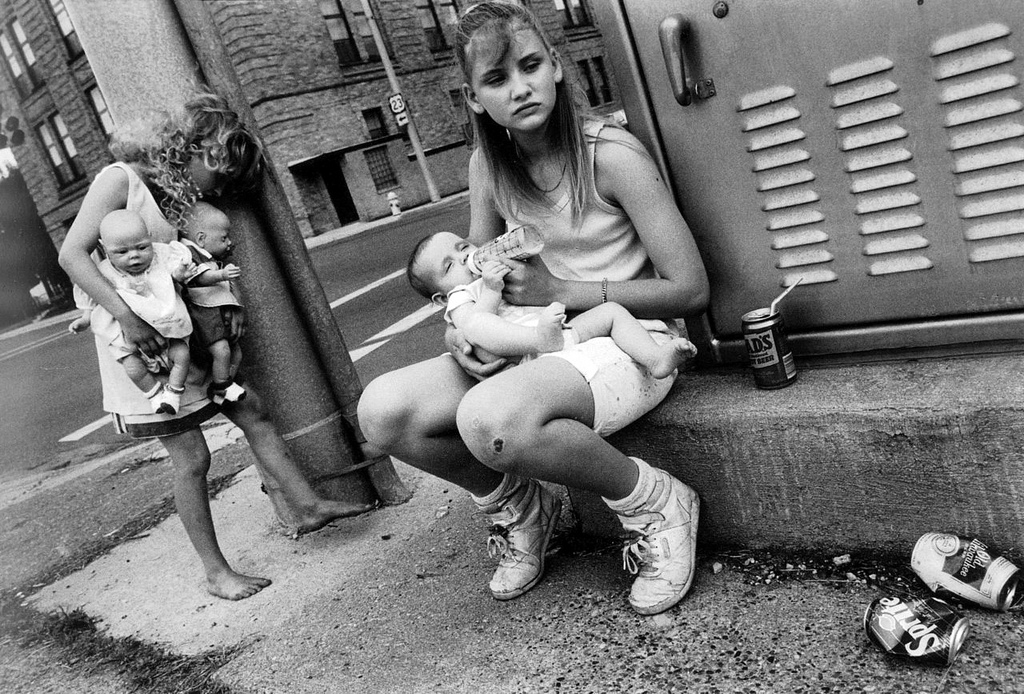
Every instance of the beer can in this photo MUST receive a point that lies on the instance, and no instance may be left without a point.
(966, 568)
(925, 630)
(768, 349)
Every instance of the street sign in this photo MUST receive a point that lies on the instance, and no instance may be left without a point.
(397, 104)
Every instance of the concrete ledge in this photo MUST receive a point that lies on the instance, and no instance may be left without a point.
(858, 457)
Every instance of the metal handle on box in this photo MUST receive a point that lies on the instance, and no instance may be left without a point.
(673, 30)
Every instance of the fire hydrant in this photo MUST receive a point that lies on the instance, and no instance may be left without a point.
(396, 209)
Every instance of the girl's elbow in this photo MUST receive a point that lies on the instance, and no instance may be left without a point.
(64, 257)
(694, 297)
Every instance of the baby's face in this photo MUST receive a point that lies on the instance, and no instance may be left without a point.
(442, 262)
(129, 248)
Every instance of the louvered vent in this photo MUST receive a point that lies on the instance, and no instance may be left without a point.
(982, 111)
(775, 141)
(871, 139)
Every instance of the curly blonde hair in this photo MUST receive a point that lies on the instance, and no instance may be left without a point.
(163, 145)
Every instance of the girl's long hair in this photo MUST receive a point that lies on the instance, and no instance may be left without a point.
(494, 25)
(162, 146)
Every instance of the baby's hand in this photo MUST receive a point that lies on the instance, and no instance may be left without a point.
(493, 273)
(232, 271)
(80, 324)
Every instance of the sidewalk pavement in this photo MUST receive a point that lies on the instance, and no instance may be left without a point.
(396, 600)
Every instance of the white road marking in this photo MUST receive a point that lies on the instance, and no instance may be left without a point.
(32, 345)
(384, 336)
(86, 430)
(370, 287)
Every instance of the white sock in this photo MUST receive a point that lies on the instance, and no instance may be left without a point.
(505, 488)
(641, 492)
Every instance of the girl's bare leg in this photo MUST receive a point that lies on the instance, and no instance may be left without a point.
(191, 458)
(281, 476)
(535, 421)
(410, 413)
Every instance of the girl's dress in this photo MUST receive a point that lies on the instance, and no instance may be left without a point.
(131, 410)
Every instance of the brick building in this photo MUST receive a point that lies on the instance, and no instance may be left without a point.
(317, 86)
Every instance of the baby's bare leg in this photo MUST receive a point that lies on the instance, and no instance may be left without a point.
(177, 350)
(613, 320)
(137, 371)
(236, 359)
(220, 353)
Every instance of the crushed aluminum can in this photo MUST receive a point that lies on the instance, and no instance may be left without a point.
(965, 568)
(925, 630)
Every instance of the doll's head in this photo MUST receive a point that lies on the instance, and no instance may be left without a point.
(210, 229)
(126, 241)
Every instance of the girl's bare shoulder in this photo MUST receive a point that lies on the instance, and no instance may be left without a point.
(615, 145)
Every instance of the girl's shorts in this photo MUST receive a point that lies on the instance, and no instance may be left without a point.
(623, 390)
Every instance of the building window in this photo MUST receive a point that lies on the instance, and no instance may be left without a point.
(99, 106)
(462, 114)
(67, 29)
(603, 85)
(20, 58)
(375, 125)
(434, 15)
(594, 82)
(379, 163)
(63, 155)
(350, 31)
(575, 13)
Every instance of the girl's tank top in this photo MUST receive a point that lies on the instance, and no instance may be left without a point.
(602, 244)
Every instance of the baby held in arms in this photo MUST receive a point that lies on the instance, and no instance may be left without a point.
(438, 270)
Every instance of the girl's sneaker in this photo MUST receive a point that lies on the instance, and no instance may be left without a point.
(522, 522)
(167, 400)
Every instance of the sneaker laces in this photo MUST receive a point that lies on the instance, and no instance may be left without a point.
(640, 552)
(498, 544)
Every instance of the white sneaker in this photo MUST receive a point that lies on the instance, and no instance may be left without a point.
(166, 401)
(663, 551)
(522, 525)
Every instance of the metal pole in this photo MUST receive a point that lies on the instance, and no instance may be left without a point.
(414, 137)
(283, 233)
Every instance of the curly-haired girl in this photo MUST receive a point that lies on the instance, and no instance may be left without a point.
(164, 166)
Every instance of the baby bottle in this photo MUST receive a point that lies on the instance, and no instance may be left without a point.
(521, 242)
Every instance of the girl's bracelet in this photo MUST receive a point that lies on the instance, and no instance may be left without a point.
(604, 290)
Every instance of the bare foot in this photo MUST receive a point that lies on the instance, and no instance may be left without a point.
(673, 355)
(235, 586)
(549, 328)
(327, 510)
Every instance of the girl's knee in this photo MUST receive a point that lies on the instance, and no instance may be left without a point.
(380, 412)
(495, 431)
(192, 464)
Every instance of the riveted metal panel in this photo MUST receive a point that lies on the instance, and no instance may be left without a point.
(873, 149)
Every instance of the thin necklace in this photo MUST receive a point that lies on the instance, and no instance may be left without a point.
(557, 183)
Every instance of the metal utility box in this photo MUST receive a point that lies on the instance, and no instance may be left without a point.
(874, 148)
